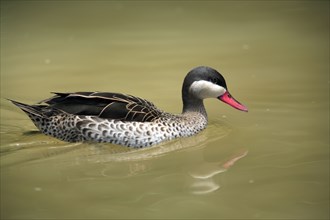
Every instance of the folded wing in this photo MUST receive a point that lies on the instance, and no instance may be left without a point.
(105, 105)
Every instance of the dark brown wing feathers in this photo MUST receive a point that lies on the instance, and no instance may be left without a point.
(105, 105)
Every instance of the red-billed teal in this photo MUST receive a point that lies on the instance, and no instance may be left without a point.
(128, 120)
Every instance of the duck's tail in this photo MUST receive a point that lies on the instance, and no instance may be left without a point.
(62, 127)
(34, 110)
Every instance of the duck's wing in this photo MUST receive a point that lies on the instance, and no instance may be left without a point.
(105, 105)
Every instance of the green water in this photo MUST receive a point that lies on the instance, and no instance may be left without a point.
(269, 163)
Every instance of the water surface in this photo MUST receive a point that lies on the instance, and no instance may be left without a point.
(269, 163)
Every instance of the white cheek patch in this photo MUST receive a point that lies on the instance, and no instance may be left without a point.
(205, 89)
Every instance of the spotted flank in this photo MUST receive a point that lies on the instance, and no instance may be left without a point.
(128, 120)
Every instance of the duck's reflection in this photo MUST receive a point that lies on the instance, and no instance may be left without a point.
(203, 176)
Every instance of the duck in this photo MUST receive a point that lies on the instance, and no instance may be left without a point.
(128, 120)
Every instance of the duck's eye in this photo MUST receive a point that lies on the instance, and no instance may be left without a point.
(213, 80)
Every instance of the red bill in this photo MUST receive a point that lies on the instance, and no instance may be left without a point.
(227, 98)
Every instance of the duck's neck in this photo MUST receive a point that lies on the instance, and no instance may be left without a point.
(194, 105)
(190, 102)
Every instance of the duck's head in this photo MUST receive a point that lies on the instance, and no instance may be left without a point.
(205, 82)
